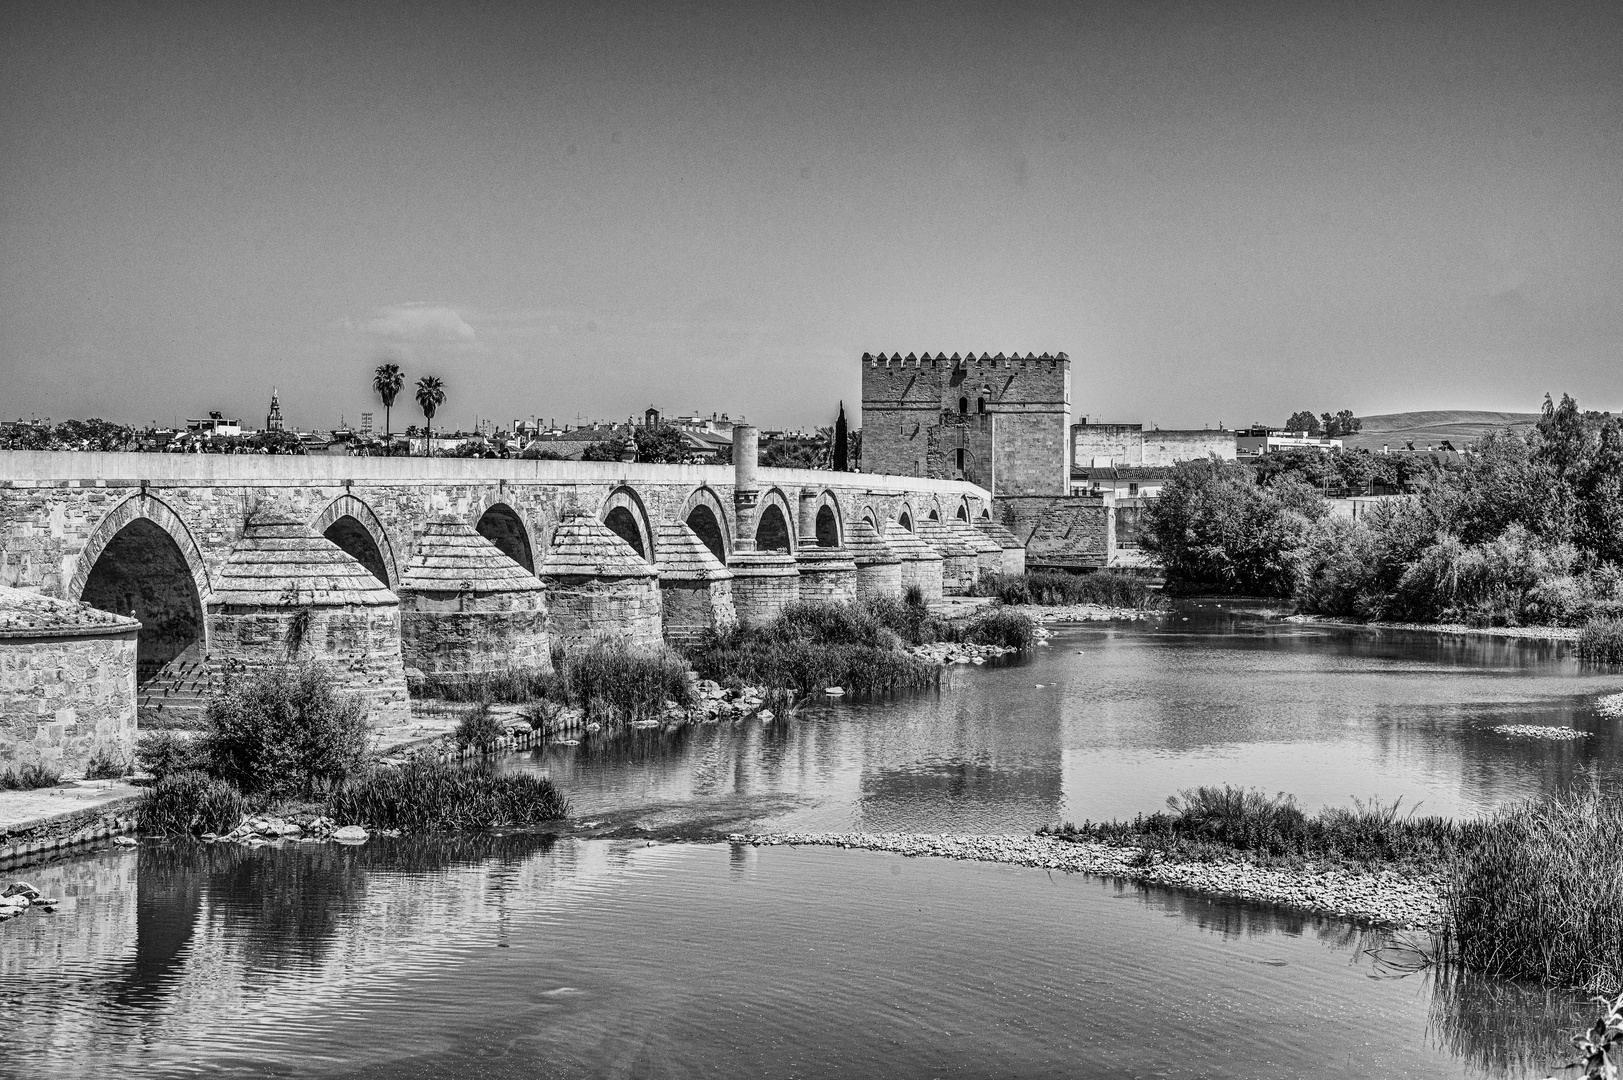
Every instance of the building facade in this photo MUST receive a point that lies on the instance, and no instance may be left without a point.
(997, 421)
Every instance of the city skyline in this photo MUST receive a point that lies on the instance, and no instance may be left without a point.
(1221, 214)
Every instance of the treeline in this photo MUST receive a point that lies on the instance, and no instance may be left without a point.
(1522, 530)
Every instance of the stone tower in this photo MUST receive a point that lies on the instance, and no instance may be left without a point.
(998, 421)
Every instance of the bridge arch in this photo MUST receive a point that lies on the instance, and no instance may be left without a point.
(706, 515)
(142, 560)
(774, 530)
(353, 526)
(830, 520)
(500, 522)
(961, 510)
(871, 516)
(906, 516)
(626, 517)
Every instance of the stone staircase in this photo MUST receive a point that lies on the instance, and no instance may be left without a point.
(178, 695)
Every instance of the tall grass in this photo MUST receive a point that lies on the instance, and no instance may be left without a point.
(811, 645)
(425, 795)
(29, 777)
(1002, 627)
(612, 681)
(1538, 893)
(190, 802)
(1057, 588)
(1208, 823)
(1601, 641)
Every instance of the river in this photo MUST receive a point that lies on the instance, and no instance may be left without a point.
(524, 955)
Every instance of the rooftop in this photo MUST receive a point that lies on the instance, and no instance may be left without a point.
(25, 613)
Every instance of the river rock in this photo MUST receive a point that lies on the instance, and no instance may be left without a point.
(351, 834)
(20, 888)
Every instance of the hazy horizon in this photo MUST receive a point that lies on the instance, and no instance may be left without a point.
(1223, 213)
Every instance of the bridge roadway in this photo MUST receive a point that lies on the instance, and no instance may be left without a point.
(157, 527)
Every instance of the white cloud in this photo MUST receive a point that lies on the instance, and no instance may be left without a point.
(419, 323)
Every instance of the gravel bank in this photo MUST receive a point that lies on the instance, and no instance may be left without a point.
(1384, 899)
(1532, 633)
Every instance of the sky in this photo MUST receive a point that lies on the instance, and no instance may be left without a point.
(1221, 212)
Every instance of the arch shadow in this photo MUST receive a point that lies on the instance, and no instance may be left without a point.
(355, 527)
(706, 515)
(501, 525)
(141, 560)
(830, 520)
(623, 512)
(773, 531)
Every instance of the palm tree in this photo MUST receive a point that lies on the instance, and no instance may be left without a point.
(387, 381)
(430, 396)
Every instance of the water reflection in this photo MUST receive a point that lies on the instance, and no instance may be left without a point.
(521, 956)
(1114, 717)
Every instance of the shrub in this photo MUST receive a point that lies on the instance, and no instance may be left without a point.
(286, 731)
(164, 752)
(1000, 626)
(29, 777)
(1538, 893)
(190, 802)
(615, 681)
(814, 644)
(430, 795)
(106, 764)
(1056, 587)
(510, 686)
(1601, 640)
(1212, 823)
(479, 728)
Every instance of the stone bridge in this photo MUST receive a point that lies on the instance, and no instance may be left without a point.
(152, 534)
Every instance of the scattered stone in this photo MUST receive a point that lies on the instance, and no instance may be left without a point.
(766, 714)
(1537, 731)
(1610, 706)
(834, 691)
(351, 834)
(124, 841)
(1384, 899)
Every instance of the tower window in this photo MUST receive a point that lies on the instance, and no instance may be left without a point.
(963, 406)
(959, 454)
(980, 405)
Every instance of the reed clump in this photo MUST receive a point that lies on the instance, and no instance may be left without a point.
(29, 777)
(106, 764)
(1601, 641)
(478, 727)
(1208, 824)
(190, 802)
(611, 681)
(431, 796)
(1002, 627)
(1538, 893)
(858, 646)
(1057, 588)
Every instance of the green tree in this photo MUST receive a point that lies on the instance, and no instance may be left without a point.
(606, 450)
(1303, 420)
(661, 443)
(430, 396)
(387, 381)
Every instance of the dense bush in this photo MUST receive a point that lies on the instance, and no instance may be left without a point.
(615, 681)
(1215, 529)
(811, 645)
(285, 731)
(427, 795)
(164, 752)
(29, 777)
(1001, 627)
(190, 802)
(1520, 530)
(1056, 587)
(478, 728)
(1601, 641)
(1538, 893)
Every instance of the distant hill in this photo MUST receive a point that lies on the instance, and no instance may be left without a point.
(1432, 427)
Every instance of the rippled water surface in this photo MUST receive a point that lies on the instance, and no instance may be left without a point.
(530, 956)
(1113, 718)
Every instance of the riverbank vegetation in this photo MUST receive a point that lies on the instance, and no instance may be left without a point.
(1601, 640)
(289, 740)
(1108, 588)
(29, 777)
(812, 645)
(1523, 529)
(610, 681)
(1533, 891)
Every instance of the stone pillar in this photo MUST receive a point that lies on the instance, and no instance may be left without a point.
(808, 517)
(826, 573)
(746, 490)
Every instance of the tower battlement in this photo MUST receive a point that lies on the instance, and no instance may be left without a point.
(877, 359)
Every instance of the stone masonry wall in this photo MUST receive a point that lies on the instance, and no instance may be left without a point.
(63, 698)
(693, 607)
(452, 635)
(590, 609)
(361, 643)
